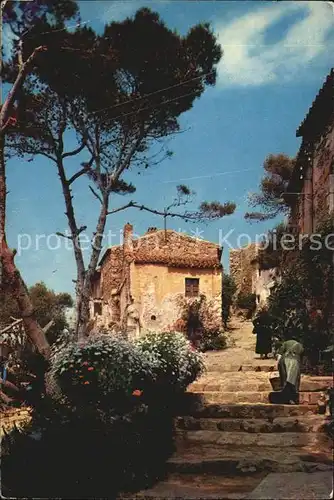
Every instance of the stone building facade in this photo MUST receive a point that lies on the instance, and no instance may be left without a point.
(265, 281)
(141, 284)
(248, 275)
(243, 269)
(311, 188)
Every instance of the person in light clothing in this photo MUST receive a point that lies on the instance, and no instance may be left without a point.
(289, 363)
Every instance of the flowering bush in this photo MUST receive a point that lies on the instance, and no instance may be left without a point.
(99, 415)
(102, 369)
(177, 363)
(201, 323)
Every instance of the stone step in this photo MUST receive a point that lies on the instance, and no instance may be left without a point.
(258, 439)
(195, 407)
(308, 398)
(268, 366)
(309, 423)
(223, 460)
(257, 382)
(316, 486)
(192, 486)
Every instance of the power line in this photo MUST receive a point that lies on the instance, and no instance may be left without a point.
(155, 92)
(208, 176)
(142, 109)
(170, 87)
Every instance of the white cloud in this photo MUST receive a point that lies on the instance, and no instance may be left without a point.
(117, 11)
(249, 61)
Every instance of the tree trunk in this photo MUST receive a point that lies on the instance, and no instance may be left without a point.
(83, 314)
(75, 232)
(10, 278)
(13, 282)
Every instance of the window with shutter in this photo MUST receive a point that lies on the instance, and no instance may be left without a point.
(191, 287)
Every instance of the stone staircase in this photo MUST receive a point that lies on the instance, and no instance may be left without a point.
(228, 437)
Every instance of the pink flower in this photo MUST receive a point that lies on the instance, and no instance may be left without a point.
(137, 392)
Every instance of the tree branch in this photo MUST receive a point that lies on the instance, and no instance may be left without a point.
(124, 165)
(47, 327)
(190, 216)
(204, 212)
(84, 170)
(75, 151)
(96, 195)
(62, 235)
(9, 102)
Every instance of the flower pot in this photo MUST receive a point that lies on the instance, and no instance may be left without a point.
(321, 408)
(275, 383)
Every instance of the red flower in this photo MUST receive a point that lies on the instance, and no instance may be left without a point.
(12, 121)
(90, 368)
(137, 393)
(85, 363)
(86, 383)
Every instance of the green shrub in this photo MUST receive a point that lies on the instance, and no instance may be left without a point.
(247, 301)
(229, 288)
(177, 363)
(212, 341)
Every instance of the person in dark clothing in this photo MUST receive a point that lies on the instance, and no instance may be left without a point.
(289, 371)
(263, 333)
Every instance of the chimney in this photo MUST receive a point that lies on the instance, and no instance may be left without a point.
(127, 238)
(152, 230)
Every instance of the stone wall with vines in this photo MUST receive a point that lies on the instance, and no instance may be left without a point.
(302, 305)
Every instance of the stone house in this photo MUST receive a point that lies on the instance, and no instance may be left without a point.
(141, 283)
(311, 185)
(248, 275)
(242, 268)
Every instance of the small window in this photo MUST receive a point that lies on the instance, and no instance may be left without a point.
(97, 308)
(153, 317)
(191, 287)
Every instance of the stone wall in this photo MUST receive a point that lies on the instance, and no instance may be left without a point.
(242, 268)
(158, 291)
(313, 177)
(264, 283)
(323, 170)
(316, 199)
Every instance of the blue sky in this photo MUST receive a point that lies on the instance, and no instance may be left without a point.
(276, 57)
